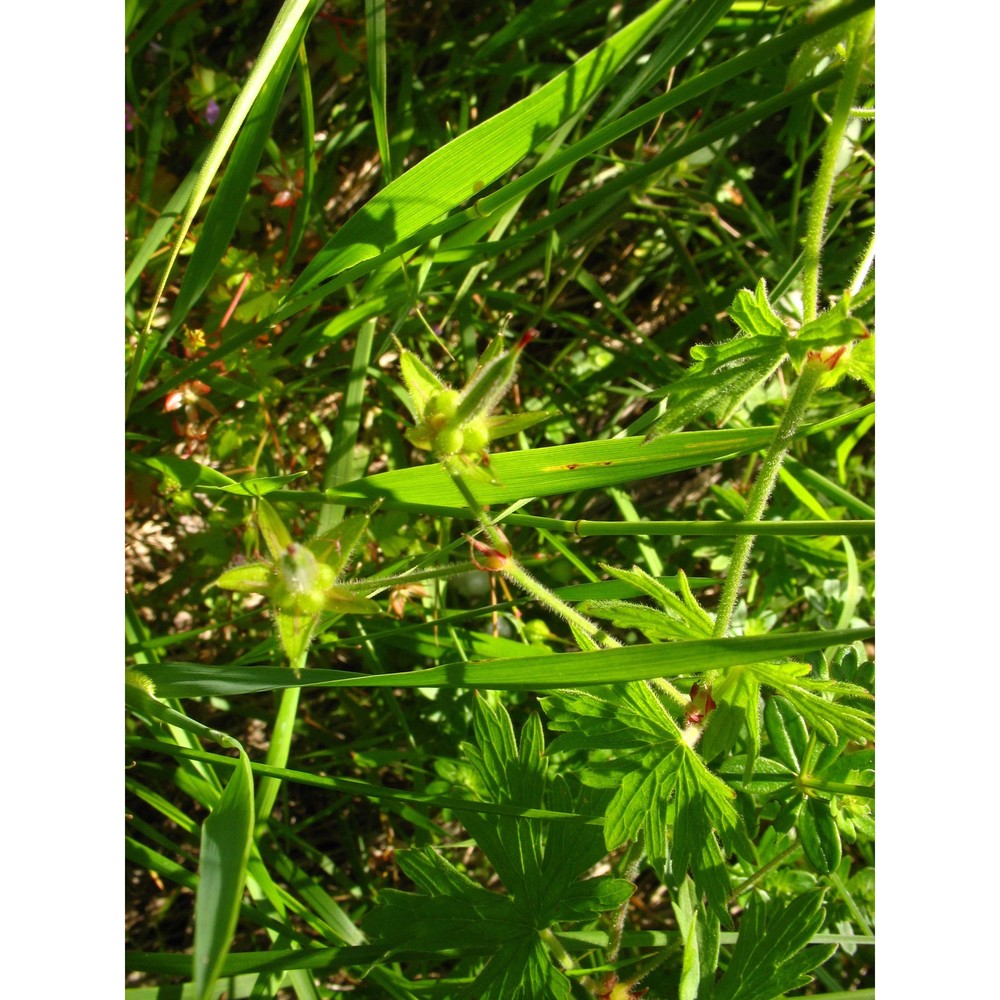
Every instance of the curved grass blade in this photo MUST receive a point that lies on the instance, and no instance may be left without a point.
(158, 231)
(226, 838)
(403, 215)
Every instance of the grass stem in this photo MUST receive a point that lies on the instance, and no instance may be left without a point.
(277, 752)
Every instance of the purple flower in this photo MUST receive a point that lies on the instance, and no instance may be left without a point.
(212, 112)
(129, 117)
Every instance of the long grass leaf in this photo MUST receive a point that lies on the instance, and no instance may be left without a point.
(158, 230)
(288, 17)
(228, 200)
(226, 838)
(456, 172)
(594, 201)
(546, 471)
(375, 33)
(349, 786)
(528, 673)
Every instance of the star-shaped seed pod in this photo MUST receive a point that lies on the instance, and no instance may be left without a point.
(301, 580)
(453, 423)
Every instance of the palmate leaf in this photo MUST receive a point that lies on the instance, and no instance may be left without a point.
(451, 910)
(723, 375)
(681, 617)
(830, 718)
(526, 973)
(662, 788)
(769, 959)
(539, 862)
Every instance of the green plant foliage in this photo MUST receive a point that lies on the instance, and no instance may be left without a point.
(661, 784)
(500, 500)
(539, 863)
(723, 375)
(771, 957)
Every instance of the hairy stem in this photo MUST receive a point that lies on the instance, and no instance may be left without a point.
(793, 416)
(515, 572)
(761, 872)
(819, 205)
(630, 871)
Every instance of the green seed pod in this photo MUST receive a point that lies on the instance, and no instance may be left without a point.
(443, 404)
(298, 569)
(475, 436)
(448, 441)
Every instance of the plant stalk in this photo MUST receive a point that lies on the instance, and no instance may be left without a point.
(761, 872)
(837, 787)
(515, 572)
(793, 416)
(823, 188)
(281, 744)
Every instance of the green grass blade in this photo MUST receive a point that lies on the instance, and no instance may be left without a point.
(830, 489)
(226, 838)
(228, 200)
(304, 209)
(341, 460)
(679, 39)
(690, 89)
(285, 23)
(375, 33)
(456, 172)
(594, 201)
(348, 786)
(528, 673)
(548, 471)
(158, 231)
